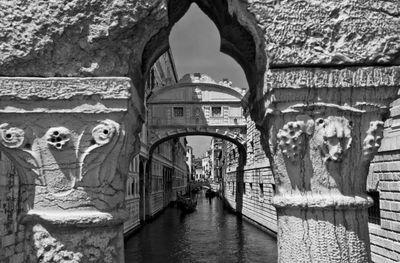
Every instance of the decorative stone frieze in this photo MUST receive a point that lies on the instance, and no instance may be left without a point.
(321, 134)
(71, 148)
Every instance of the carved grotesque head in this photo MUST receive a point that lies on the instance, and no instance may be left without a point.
(335, 137)
(373, 140)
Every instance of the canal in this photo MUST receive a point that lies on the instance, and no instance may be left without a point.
(210, 234)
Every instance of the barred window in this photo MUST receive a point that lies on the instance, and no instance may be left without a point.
(178, 111)
(216, 111)
(374, 214)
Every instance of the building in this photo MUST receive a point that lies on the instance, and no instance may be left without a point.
(155, 178)
(189, 162)
(206, 165)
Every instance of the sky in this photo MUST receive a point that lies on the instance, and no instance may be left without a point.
(195, 42)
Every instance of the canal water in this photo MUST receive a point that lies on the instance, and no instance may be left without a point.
(210, 234)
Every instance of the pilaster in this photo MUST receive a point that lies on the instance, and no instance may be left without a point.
(322, 128)
(70, 139)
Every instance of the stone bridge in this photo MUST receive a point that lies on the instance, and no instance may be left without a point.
(197, 105)
(321, 74)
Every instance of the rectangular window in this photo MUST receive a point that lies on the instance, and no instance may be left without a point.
(178, 111)
(374, 214)
(216, 112)
(261, 190)
(244, 188)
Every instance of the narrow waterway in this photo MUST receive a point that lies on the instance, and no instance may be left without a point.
(210, 234)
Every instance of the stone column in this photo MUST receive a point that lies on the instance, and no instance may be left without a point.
(322, 128)
(70, 139)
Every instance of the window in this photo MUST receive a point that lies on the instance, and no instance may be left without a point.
(244, 188)
(178, 111)
(374, 216)
(216, 111)
(261, 190)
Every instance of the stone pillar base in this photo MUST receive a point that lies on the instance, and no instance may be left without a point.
(52, 243)
(325, 235)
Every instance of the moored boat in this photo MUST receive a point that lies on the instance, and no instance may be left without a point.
(186, 204)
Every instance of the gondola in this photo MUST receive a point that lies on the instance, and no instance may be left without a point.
(186, 204)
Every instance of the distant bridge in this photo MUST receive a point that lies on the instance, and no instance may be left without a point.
(197, 105)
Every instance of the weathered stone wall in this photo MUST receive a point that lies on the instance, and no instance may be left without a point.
(12, 232)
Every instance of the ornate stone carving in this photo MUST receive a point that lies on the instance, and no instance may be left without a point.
(11, 137)
(58, 137)
(291, 140)
(104, 132)
(373, 140)
(292, 137)
(335, 138)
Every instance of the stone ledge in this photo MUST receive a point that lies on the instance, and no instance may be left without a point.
(333, 78)
(64, 88)
(322, 201)
(77, 218)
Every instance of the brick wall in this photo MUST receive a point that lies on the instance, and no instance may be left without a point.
(384, 177)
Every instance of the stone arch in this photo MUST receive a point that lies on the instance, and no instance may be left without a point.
(124, 38)
(241, 38)
(225, 134)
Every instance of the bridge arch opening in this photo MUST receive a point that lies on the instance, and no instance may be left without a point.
(240, 38)
(219, 163)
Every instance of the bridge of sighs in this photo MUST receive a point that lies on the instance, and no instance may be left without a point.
(197, 105)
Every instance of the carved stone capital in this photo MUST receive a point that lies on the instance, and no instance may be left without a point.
(66, 137)
(70, 139)
(322, 128)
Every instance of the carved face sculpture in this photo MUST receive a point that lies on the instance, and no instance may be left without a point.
(336, 137)
(373, 140)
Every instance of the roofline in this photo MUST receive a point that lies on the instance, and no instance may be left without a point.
(160, 90)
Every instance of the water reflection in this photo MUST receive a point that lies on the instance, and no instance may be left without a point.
(211, 234)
